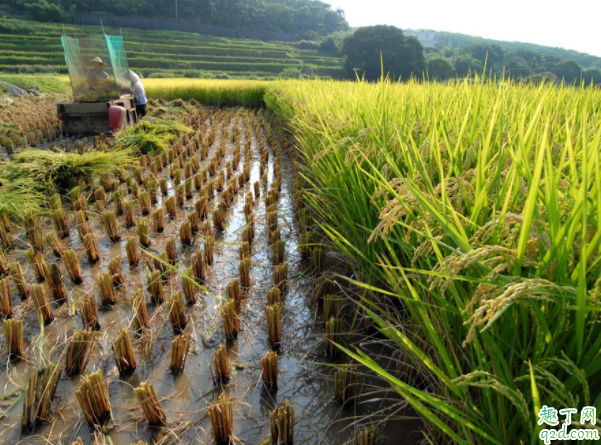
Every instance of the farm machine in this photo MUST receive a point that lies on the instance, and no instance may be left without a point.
(100, 80)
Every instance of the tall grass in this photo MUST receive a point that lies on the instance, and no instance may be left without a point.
(475, 207)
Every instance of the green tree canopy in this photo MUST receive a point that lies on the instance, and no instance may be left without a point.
(440, 68)
(517, 67)
(468, 65)
(592, 76)
(568, 70)
(368, 47)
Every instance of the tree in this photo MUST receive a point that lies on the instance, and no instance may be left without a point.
(368, 47)
(468, 66)
(440, 68)
(43, 10)
(592, 76)
(568, 70)
(329, 47)
(517, 67)
(489, 54)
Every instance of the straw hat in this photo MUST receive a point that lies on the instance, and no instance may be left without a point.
(97, 60)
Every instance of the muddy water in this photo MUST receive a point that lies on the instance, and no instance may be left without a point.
(304, 371)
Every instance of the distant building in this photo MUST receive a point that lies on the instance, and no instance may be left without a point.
(426, 38)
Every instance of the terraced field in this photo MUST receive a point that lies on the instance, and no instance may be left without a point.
(32, 47)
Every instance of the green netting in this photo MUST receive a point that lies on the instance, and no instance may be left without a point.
(118, 58)
(91, 82)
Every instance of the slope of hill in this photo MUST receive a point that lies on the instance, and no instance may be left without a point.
(33, 47)
(460, 41)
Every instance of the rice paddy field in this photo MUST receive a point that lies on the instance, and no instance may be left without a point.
(307, 262)
(28, 47)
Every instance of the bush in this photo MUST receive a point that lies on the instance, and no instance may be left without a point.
(44, 11)
(307, 44)
(329, 47)
(291, 73)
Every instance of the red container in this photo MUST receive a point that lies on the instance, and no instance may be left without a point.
(117, 115)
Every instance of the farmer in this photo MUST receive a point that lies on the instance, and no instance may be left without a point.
(96, 72)
(138, 90)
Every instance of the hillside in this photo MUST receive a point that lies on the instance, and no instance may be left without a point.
(450, 40)
(33, 47)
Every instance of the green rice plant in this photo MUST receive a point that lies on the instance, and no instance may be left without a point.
(93, 398)
(13, 337)
(79, 351)
(104, 282)
(177, 313)
(52, 170)
(281, 420)
(143, 232)
(40, 299)
(55, 281)
(38, 396)
(459, 216)
(89, 313)
(180, 346)
(269, 370)
(125, 355)
(220, 369)
(230, 319)
(149, 402)
(55, 244)
(222, 420)
(90, 245)
(139, 311)
(274, 325)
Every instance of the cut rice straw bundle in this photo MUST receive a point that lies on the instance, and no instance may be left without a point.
(93, 397)
(154, 413)
(180, 346)
(222, 421)
(79, 352)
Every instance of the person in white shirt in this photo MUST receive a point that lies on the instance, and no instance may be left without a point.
(138, 91)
